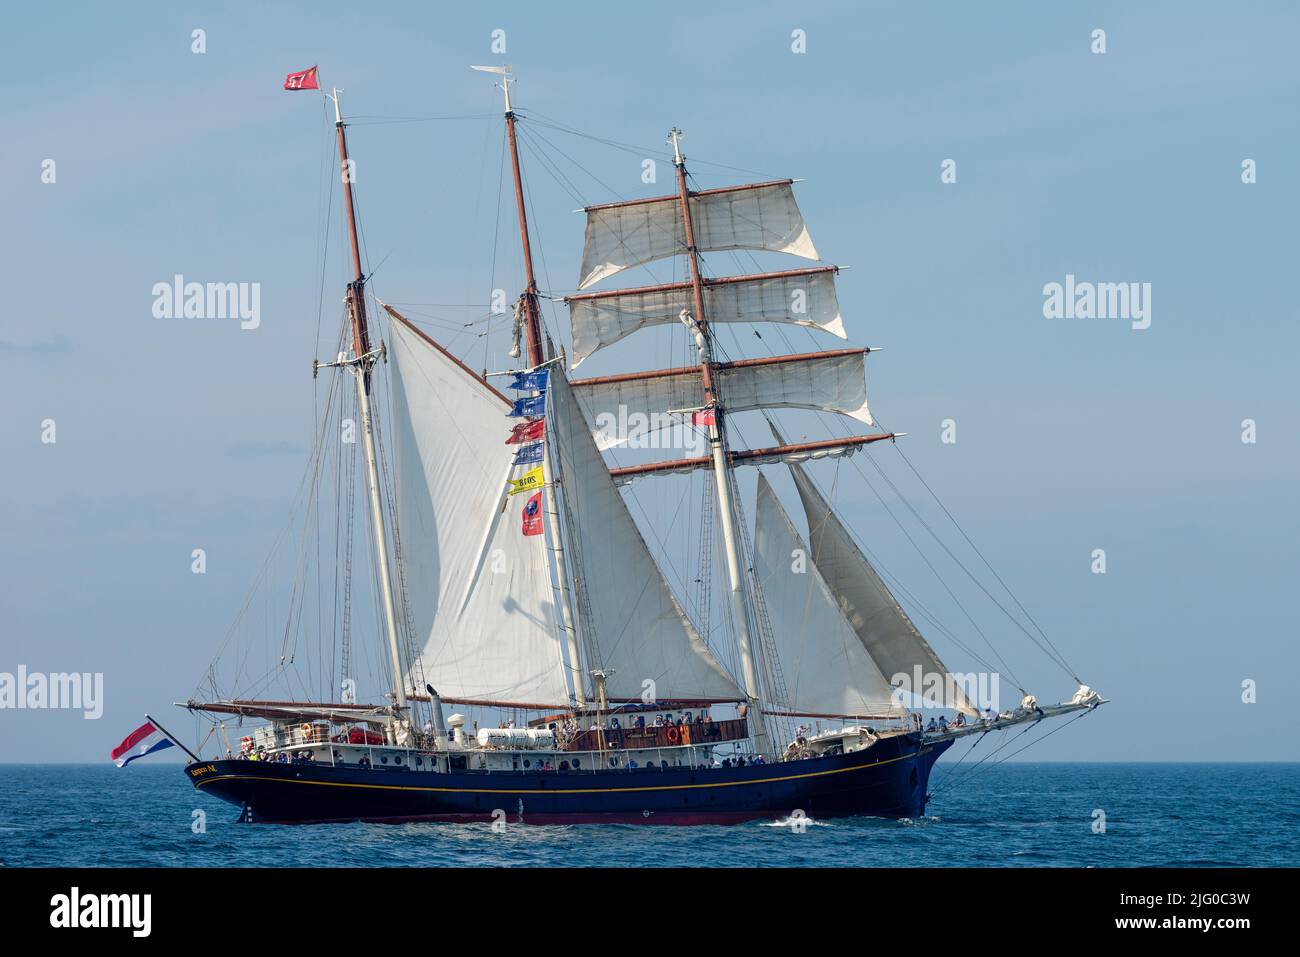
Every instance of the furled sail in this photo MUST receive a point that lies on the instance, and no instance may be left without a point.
(632, 409)
(479, 591)
(827, 670)
(866, 603)
(760, 216)
(639, 630)
(801, 297)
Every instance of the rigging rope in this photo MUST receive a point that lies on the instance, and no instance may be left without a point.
(1059, 657)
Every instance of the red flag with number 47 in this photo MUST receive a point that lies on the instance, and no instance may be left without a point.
(306, 80)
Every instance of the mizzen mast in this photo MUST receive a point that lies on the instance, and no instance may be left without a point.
(362, 362)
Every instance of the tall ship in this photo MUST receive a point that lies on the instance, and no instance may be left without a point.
(542, 663)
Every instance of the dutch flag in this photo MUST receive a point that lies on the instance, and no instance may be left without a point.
(145, 739)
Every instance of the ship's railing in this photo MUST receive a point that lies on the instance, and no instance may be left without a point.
(291, 735)
(664, 736)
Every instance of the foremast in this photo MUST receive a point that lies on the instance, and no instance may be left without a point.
(361, 363)
(714, 415)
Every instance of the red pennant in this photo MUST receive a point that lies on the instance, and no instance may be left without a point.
(528, 431)
(705, 417)
(306, 80)
(533, 514)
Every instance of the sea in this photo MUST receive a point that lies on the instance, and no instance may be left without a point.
(1013, 814)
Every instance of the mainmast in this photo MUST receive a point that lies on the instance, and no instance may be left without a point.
(716, 418)
(362, 361)
(531, 319)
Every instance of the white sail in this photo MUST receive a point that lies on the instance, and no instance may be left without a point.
(804, 297)
(478, 589)
(630, 409)
(826, 669)
(639, 631)
(686, 466)
(762, 216)
(882, 626)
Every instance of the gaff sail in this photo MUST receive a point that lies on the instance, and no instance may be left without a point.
(483, 608)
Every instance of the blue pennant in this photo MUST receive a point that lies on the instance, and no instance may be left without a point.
(533, 405)
(533, 381)
(529, 454)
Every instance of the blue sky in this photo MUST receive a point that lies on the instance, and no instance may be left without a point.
(1072, 434)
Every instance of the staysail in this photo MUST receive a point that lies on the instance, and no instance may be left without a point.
(801, 297)
(480, 594)
(826, 668)
(761, 216)
(639, 630)
(888, 635)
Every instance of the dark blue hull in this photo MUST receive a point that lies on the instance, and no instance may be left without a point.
(887, 780)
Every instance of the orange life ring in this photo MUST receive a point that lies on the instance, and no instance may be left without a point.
(673, 733)
(245, 744)
(306, 731)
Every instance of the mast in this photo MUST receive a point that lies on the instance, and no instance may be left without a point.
(362, 362)
(721, 461)
(533, 332)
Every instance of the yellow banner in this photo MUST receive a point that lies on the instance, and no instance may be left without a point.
(531, 480)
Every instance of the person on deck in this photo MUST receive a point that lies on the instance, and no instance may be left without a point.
(932, 726)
